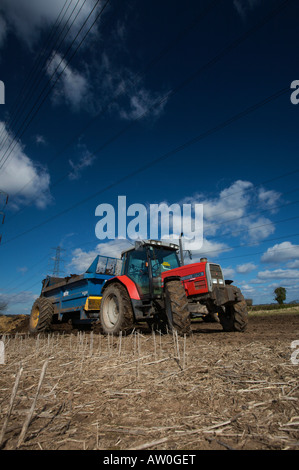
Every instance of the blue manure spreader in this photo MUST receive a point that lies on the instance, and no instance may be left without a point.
(75, 299)
(149, 283)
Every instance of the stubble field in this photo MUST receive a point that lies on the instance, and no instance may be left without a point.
(212, 390)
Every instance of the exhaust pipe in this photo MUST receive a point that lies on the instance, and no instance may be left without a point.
(181, 250)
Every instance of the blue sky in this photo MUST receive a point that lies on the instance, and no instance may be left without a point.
(152, 84)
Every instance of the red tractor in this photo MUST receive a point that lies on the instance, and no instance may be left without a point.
(155, 287)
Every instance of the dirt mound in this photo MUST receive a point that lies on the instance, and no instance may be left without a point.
(14, 324)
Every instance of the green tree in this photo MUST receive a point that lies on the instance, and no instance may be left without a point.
(280, 294)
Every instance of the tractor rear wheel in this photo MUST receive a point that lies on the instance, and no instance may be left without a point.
(176, 305)
(116, 313)
(41, 315)
(235, 317)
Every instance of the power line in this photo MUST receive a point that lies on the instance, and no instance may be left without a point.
(26, 290)
(249, 244)
(59, 75)
(257, 253)
(38, 64)
(219, 56)
(35, 83)
(123, 91)
(228, 258)
(2, 213)
(206, 252)
(252, 213)
(8, 286)
(248, 229)
(230, 234)
(272, 179)
(34, 87)
(56, 271)
(49, 81)
(165, 156)
(222, 236)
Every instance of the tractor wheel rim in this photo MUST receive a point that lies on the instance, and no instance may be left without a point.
(111, 311)
(34, 317)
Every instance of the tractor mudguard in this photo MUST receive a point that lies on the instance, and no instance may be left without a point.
(128, 283)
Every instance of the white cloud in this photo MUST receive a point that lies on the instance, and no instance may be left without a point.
(209, 249)
(287, 283)
(228, 273)
(258, 281)
(223, 214)
(40, 140)
(244, 6)
(293, 264)
(81, 259)
(245, 268)
(113, 248)
(247, 289)
(96, 84)
(141, 103)
(64, 238)
(72, 87)
(259, 228)
(22, 270)
(268, 198)
(113, 88)
(86, 160)
(22, 297)
(279, 274)
(134, 100)
(229, 205)
(280, 253)
(28, 19)
(21, 176)
(235, 211)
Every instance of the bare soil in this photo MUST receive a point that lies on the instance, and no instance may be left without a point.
(212, 390)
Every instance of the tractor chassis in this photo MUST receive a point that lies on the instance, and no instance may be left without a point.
(219, 297)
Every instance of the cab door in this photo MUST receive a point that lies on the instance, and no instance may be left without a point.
(136, 268)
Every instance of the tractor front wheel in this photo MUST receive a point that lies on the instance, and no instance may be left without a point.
(41, 315)
(234, 317)
(116, 313)
(176, 305)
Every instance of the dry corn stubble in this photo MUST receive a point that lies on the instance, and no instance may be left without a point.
(212, 390)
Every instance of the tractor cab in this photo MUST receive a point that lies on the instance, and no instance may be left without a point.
(145, 263)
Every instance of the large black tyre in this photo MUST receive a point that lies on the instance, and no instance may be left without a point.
(234, 317)
(176, 305)
(116, 313)
(41, 315)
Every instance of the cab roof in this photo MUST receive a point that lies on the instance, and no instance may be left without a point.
(156, 243)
